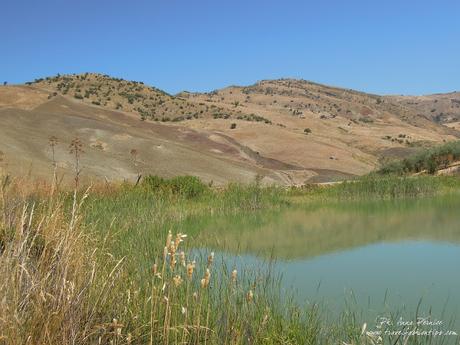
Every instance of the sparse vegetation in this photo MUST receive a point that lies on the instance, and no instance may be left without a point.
(114, 93)
(428, 161)
(254, 117)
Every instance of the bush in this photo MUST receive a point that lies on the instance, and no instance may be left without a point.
(233, 126)
(188, 187)
(429, 160)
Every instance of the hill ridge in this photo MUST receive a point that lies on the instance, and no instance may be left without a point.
(288, 130)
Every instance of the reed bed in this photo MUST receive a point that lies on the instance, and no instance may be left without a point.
(66, 281)
(373, 187)
(112, 265)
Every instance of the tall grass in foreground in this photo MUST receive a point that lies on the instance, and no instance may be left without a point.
(51, 285)
(62, 283)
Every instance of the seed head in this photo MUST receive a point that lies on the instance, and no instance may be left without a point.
(249, 296)
(207, 277)
(234, 275)
(210, 259)
(182, 258)
(203, 283)
(52, 141)
(173, 262)
(76, 146)
(178, 239)
(172, 254)
(177, 280)
(190, 268)
(169, 239)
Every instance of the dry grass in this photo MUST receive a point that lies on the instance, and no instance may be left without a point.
(48, 271)
(62, 286)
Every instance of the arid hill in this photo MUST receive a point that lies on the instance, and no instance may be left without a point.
(440, 108)
(286, 131)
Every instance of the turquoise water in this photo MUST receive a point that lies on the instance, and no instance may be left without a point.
(376, 258)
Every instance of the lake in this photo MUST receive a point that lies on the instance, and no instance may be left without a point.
(398, 257)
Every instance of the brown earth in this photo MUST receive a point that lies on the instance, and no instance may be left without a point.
(287, 131)
(440, 108)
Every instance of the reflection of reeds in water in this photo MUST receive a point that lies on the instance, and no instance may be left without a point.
(330, 227)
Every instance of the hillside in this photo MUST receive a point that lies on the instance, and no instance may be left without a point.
(287, 131)
(117, 145)
(128, 96)
(440, 108)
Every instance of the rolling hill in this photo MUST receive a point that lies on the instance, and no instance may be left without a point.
(286, 131)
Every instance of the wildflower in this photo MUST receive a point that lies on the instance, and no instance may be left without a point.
(183, 310)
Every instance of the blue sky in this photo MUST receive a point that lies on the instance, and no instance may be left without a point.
(386, 47)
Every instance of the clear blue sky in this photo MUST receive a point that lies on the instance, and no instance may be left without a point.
(400, 47)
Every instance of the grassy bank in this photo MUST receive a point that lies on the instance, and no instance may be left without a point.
(101, 268)
(112, 265)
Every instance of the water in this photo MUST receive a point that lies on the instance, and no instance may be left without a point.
(377, 258)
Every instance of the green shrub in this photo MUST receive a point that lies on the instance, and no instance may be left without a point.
(154, 182)
(429, 160)
(188, 187)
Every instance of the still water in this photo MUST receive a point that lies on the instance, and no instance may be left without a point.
(373, 257)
